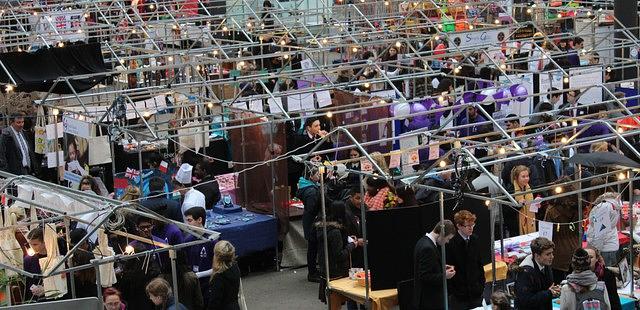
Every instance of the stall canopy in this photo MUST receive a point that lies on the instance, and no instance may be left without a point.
(39, 70)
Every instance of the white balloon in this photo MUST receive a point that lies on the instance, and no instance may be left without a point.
(402, 109)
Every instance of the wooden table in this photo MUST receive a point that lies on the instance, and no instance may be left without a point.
(345, 288)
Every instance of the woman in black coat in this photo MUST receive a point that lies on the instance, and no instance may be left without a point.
(338, 245)
(224, 285)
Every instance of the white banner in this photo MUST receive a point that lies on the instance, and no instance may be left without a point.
(582, 78)
(478, 38)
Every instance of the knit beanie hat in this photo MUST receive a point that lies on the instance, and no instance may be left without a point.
(580, 260)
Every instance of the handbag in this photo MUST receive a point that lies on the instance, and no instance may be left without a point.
(193, 134)
(103, 250)
(99, 149)
(11, 254)
(54, 286)
(40, 129)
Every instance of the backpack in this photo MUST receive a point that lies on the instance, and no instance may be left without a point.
(593, 299)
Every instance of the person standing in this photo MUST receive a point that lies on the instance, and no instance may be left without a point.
(534, 285)
(583, 286)
(602, 233)
(225, 280)
(16, 153)
(191, 196)
(563, 210)
(463, 253)
(199, 256)
(428, 273)
(309, 194)
(605, 275)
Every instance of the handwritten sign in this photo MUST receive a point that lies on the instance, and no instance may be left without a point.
(394, 162)
(366, 165)
(434, 150)
(545, 230)
(413, 158)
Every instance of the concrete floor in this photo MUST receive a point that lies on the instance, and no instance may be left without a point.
(287, 289)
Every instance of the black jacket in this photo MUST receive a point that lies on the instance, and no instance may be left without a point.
(210, 190)
(223, 290)
(310, 196)
(10, 154)
(339, 250)
(163, 206)
(612, 289)
(532, 286)
(468, 283)
(428, 275)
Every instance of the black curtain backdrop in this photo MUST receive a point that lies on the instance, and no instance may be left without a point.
(37, 71)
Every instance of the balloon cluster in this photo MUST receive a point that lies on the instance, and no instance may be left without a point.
(515, 92)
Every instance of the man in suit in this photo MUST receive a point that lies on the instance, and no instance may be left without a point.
(16, 151)
(428, 273)
(463, 253)
(534, 286)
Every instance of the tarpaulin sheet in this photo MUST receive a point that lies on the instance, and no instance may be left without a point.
(38, 71)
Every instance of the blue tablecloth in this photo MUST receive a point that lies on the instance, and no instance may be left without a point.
(627, 303)
(249, 232)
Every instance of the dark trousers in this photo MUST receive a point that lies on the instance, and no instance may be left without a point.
(456, 303)
(312, 255)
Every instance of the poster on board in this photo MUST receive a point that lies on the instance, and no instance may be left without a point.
(76, 158)
(524, 108)
(583, 79)
(479, 38)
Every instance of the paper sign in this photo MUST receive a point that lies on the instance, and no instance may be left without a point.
(294, 103)
(226, 182)
(306, 102)
(434, 151)
(324, 98)
(72, 177)
(51, 159)
(239, 105)
(51, 131)
(413, 158)
(394, 162)
(76, 127)
(545, 230)
(534, 206)
(366, 165)
(256, 106)
(275, 105)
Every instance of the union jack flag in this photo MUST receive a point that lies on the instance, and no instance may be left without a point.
(131, 173)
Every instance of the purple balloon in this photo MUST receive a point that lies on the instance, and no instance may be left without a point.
(418, 124)
(501, 96)
(418, 108)
(469, 97)
(519, 92)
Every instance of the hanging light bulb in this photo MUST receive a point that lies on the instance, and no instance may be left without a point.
(437, 38)
(325, 41)
(198, 68)
(386, 3)
(559, 15)
(225, 28)
(398, 44)
(588, 13)
(470, 27)
(466, 7)
(9, 88)
(354, 49)
(558, 189)
(249, 25)
(439, 26)
(55, 111)
(502, 151)
(129, 250)
(215, 52)
(60, 44)
(443, 164)
(503, 67)
(285, 56)
(620, 130)
(497, 22)
(609, 69)
(170, 58)
(487, 203)
(329, 114)
(151, 6)
(529, 11)
(566, 79)
(210, 105)
(622, 176)
(367, 85)
(283, 42)
(564, 140)
(79, 31)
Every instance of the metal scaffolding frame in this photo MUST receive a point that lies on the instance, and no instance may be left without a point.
(197, 48)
